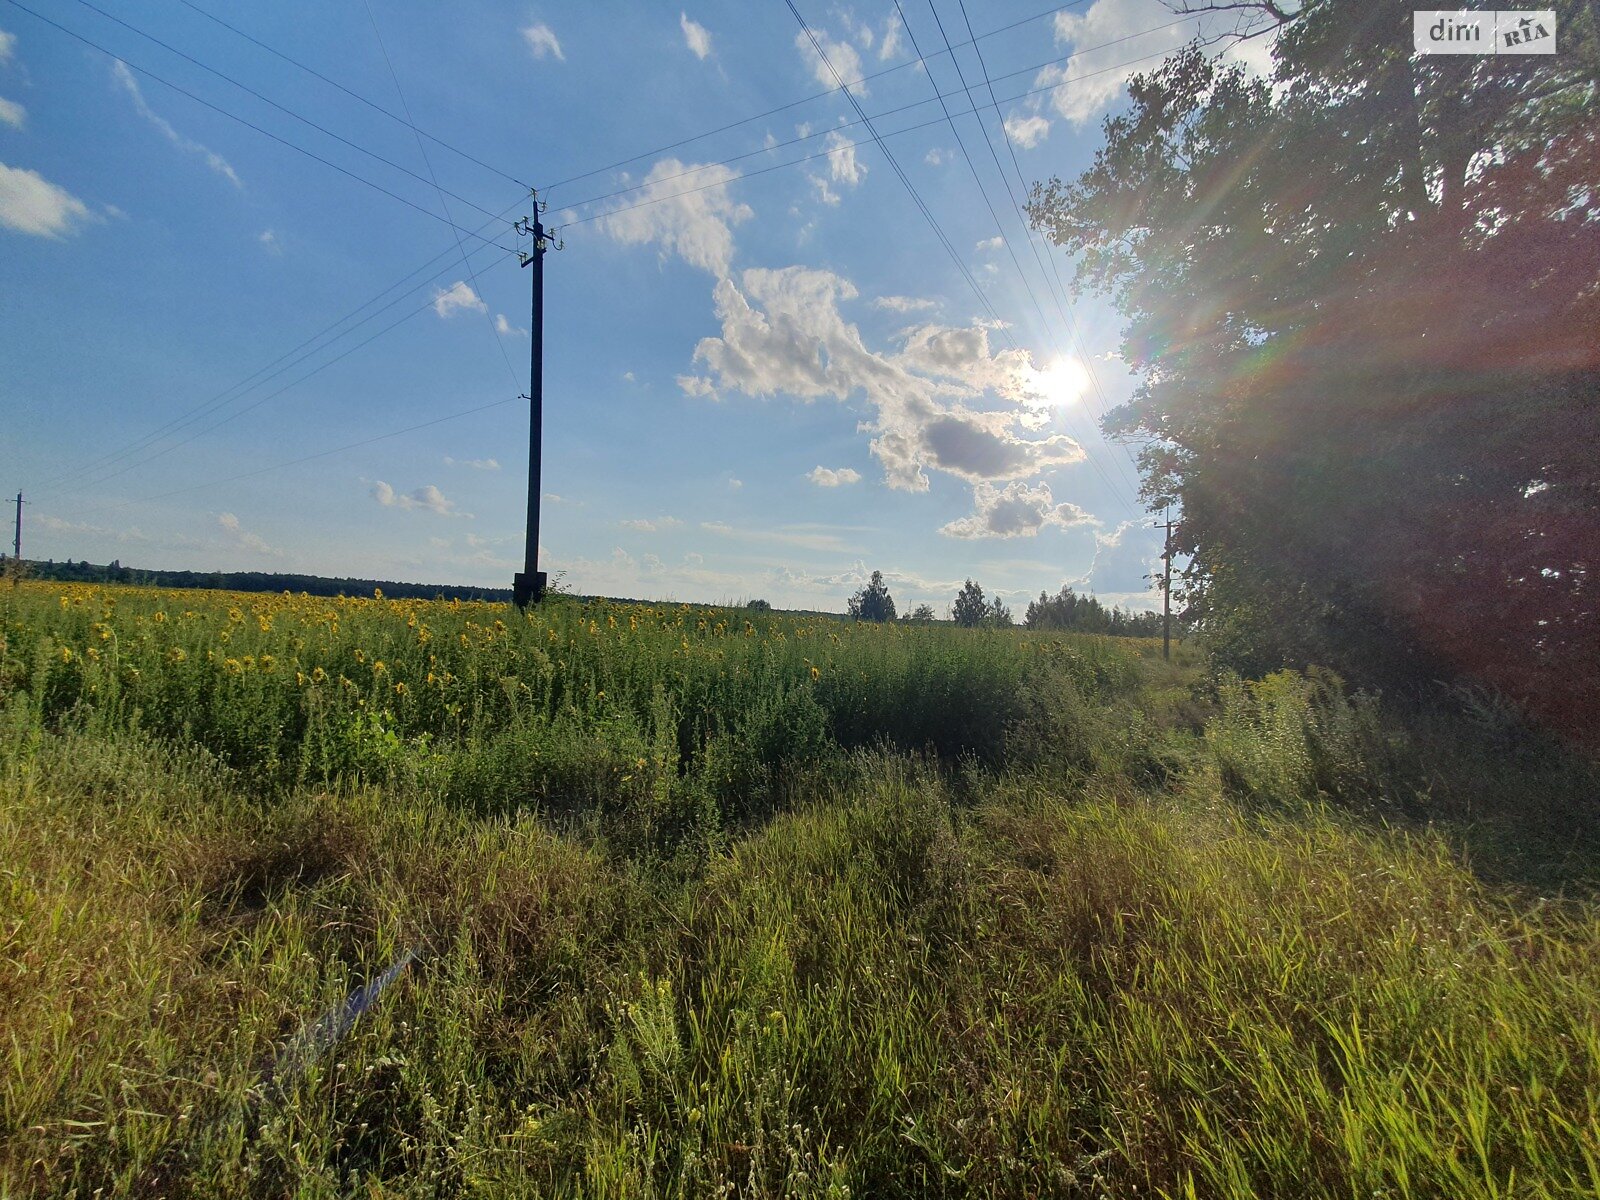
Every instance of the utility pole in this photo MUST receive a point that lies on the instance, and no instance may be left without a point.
(16, 545)
(1166, 586)
(528, 586)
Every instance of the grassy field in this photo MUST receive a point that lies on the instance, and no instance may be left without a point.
(670, 901)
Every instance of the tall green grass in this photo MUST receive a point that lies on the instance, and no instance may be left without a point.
(810, 935)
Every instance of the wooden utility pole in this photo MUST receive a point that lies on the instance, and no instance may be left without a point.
(1166, 587)
(16, 544)
(528, 585)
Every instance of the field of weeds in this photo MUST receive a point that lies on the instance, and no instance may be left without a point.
(308, 897)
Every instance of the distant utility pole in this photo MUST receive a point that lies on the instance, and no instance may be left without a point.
(1166, 586)
(16, 544)
(528, 586)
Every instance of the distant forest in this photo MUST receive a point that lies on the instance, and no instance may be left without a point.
(1084, 614)
(255, 581)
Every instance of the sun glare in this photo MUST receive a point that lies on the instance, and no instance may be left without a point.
(1062, 383)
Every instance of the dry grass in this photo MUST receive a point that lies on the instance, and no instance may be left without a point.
(1126, 959)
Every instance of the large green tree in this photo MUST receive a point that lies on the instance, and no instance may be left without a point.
(1363, 303)
(873, 602)
(970, 609)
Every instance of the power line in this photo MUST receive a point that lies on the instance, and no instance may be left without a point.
(257, 403)
(633, 158)
(264, 373)
(983, 192)
(1060, 287)
(772, 112)
(354, 95)
(94, 464)
(844, 149)
(423, 150)
(1058, 297)
(51, 483)
(904, 179)
(189, 58)
(241, 120)
(889, 112)
(294, 462)
(877, 138)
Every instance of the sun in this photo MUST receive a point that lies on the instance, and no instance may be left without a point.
(1061, 383)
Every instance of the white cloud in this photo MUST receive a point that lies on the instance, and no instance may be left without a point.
(242, 537)
(12, 113)
(1015, 511)
(735, 484)
(8, 46)
(1027, 132)
(80, 529)
(504, 327)
(936, 157)
(860, 30)
(903, 304)
(988, 244)
(628, 377)
(844, 59)
(694, 224)
(697, 37)
(1124, 561)
(31, 204)
(1094, 80)
(782, 333)
(542, 40)
(215, 161)
(824, 477)
(1116, 33)
(804, 537)
(427, 497)
(843, 165)
(477, 464)
(655, 526)
(456, 298)
(269, 242)
(890, 46)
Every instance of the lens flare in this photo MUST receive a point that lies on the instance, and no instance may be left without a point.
(1061, 383)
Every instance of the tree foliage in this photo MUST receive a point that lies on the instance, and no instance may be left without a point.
(972, 610)
(1362, 301)
(1067, 610)
(873, 602)
(970, 607)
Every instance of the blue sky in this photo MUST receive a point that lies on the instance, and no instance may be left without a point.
(761, 379)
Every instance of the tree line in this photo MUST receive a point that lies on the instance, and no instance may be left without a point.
(1065, 611)
(68, 571)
